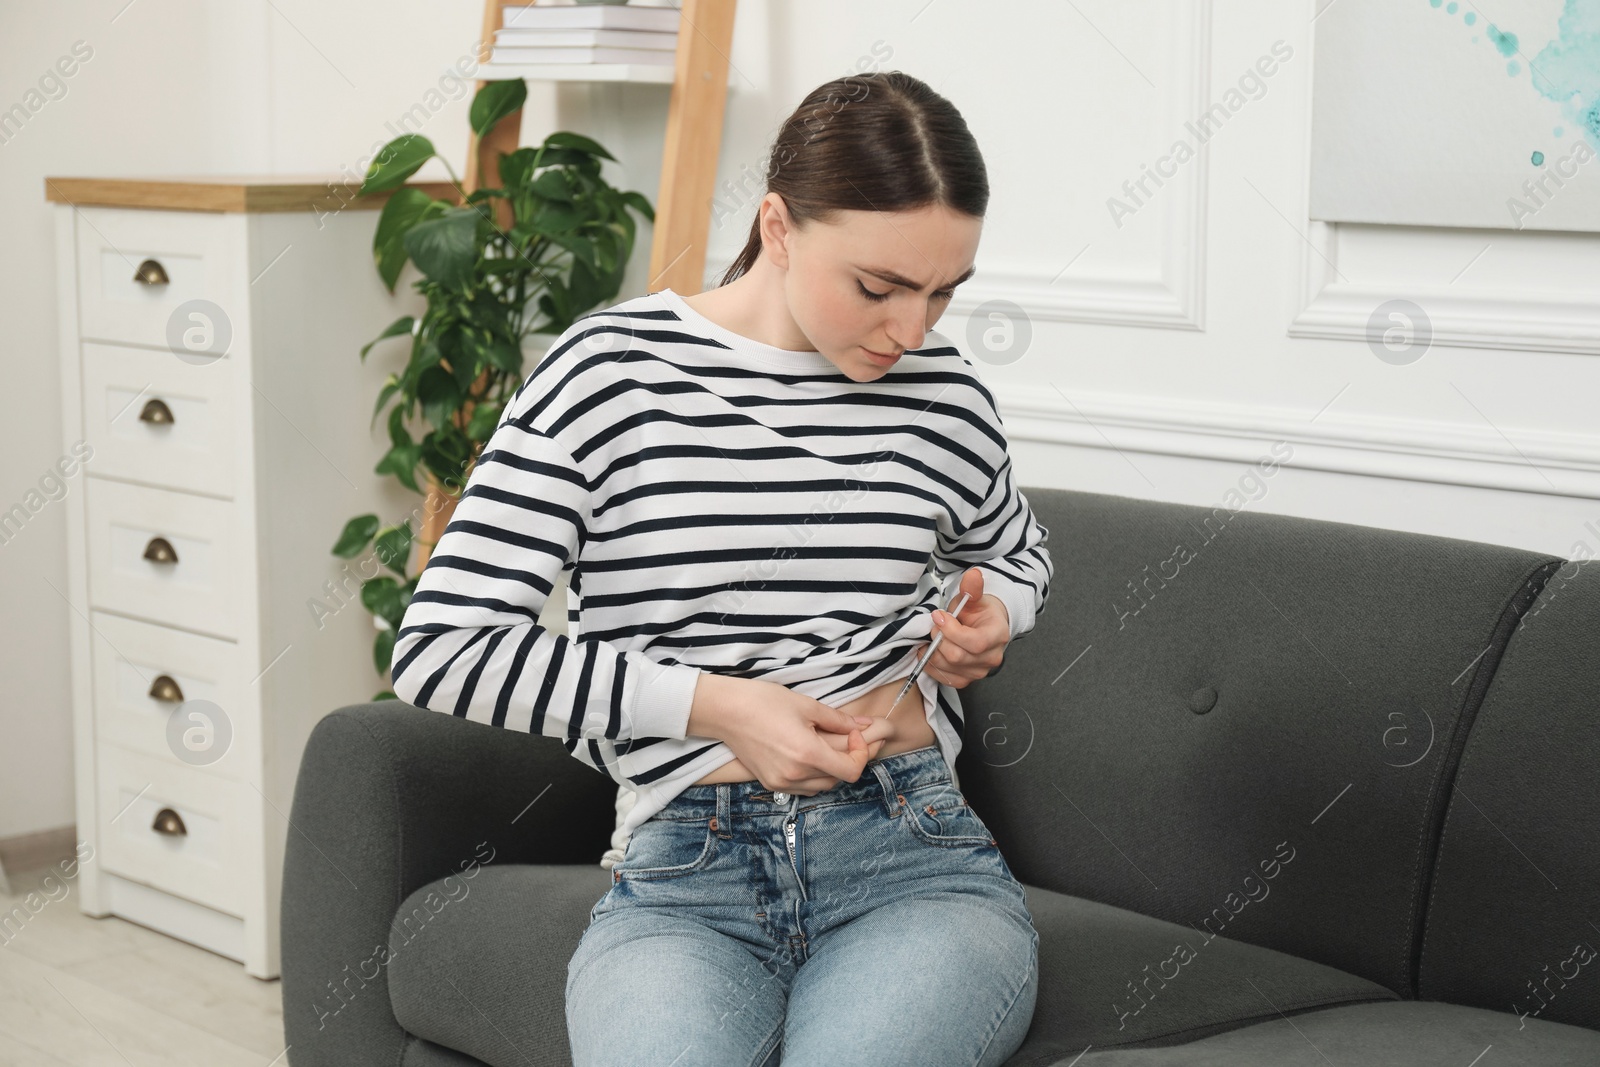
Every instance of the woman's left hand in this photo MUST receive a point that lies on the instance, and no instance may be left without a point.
(975, 643)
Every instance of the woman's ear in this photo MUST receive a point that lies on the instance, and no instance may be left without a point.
(776, 228)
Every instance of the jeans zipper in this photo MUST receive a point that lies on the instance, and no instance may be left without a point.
(788, 839)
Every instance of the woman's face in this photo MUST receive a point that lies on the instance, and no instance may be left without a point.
(873, 281)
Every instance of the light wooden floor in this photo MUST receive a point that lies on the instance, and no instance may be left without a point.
(110, 993)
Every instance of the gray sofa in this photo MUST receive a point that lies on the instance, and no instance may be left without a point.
(1281, 791)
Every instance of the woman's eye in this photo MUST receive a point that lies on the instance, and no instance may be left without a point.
(869, 294)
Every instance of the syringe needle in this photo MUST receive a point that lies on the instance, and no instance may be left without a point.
(916, 671)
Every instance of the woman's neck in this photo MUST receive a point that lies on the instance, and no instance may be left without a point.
(754, 305)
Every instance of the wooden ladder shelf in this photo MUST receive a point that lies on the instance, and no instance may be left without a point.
(688, 157)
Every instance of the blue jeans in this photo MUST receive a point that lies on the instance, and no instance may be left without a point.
(875, 923)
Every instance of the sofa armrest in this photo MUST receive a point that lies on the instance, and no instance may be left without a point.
(390, 797)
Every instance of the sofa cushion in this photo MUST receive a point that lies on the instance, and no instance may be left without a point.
(1209, 690)
(1398, 1034)
(484, 970)
(1111, 977)
(1512, 924)
(422, 1053)
(486, 973)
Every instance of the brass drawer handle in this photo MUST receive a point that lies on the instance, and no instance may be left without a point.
(151, 272)
(169, 822)
(160, 550)
(166, 690)
(155, 410)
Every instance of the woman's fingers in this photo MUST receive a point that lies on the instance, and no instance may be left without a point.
(835, 720)
(845, 765)
(880, 730)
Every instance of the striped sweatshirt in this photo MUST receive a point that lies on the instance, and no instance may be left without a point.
(715, 504)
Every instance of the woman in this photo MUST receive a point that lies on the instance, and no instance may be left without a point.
(749, 486)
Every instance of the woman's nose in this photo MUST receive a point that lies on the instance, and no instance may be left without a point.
(908, 330)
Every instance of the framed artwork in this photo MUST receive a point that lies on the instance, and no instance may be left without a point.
(1424, 112)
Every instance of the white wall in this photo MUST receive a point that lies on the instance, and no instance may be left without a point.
(1166, 353)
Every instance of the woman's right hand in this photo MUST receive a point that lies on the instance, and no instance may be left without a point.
(775, 733)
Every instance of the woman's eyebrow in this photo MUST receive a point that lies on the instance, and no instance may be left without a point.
(899, 279)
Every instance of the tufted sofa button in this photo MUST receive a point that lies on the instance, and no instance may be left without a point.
(1202, 700)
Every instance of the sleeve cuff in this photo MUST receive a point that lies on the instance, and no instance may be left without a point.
(663, 697)
(1017, 598)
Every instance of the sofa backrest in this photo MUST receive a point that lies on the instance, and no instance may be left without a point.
(1243, 722)
(1514, 921)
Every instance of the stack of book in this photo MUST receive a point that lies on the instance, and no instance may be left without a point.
(551, 34)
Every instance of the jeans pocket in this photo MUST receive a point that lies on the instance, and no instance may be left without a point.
(939, 815)
(667, 848)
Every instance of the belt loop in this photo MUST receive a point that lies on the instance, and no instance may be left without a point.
(724, 811)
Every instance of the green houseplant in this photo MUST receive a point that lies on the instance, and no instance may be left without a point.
(532, 255)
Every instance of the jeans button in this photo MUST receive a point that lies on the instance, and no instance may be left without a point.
(780, 798)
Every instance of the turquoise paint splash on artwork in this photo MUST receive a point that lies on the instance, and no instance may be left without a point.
(1506, 42)
(1452, 7)
(1567, 70)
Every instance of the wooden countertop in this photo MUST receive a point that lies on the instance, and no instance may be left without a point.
(226, 192)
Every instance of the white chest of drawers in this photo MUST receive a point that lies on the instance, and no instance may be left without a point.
(205, 493)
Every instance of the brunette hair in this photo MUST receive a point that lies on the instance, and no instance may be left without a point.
(880, 141)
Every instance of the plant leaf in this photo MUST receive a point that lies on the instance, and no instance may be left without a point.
(516, 166)
(357, 532)
(639, 204)
(393, 547)
(398, 435)
(378, 595)
(440, 395)
(394, 329)
(391, 386)
(382, 658)
(553, 185)
(485, 421)
(401, 461)
(558, 218)
(568, 139)
(445, 248)
(586, 288)
(503, 355)
(495, 101)
(403, 210)
(448, 456)
(581, 247)
(396, 161)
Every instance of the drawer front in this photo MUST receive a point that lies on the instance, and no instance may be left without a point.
(197, 855)
(198, 586)
(177, 696)
(155, 418)
(194, 251)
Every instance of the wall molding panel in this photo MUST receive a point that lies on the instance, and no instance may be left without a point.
(1340, 309)
(1171, 294)
(1548, 463)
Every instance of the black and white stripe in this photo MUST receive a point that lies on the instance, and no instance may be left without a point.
(720, 505)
